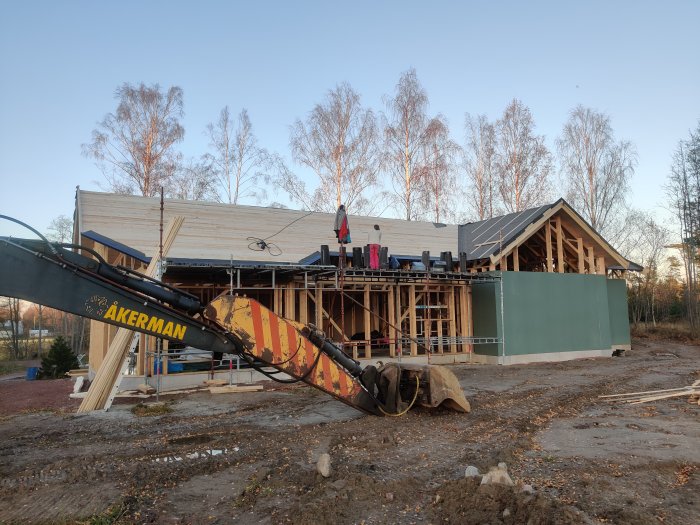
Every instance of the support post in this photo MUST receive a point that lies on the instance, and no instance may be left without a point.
(452, 320)
(548, 242)
(581, 255)
(412, 318)
(319, 306)
(303, 307)
(600, 265)
(591, 260)
(560, 246)
(516, 259)
(367, 323)
(391, 316)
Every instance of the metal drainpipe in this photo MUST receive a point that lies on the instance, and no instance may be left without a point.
(503, 326)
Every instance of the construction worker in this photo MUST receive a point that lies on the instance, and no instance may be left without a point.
(341, 226)
(375, 241)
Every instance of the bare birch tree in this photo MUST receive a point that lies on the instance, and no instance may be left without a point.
(438, 178)
(60, 229)
(596, 169)
(683, 190)
(237, 160)
(194, 180)
(478, 166)
(339, 142)
(406, 129)
(134, 146)
(522, 161)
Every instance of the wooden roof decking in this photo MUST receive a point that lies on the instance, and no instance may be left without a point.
(494, 238)
(220, 231)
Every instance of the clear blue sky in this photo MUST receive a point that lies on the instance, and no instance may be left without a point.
(60, 63)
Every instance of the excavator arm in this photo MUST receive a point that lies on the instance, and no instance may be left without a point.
(49, 274)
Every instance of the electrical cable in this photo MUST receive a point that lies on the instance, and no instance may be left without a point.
(259, 244)
(288, 225)
(410, 406)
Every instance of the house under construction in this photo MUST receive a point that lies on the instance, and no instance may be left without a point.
(535, 285)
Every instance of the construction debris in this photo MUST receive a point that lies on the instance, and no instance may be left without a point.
(497, 476)
(146, 389)
(235, 388)
(323, 465)
(635, 398)
(215, 382)
(471, 472)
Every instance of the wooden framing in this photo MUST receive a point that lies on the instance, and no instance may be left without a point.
(406, 313)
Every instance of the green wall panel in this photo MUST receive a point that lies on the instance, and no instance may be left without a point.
(619, 317)
(486, 315)
(551, 312)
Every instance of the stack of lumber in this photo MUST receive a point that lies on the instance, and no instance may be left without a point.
(229, 389)
(635, 398)
(110, 371)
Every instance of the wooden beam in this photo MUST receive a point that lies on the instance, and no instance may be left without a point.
(560, 246)
(452, 326)
(391, 316)
(412, 318)
(464, 325)
(470, 315)
(398, 320)
(591, 259)
(367, 323)
(600, 266)
(548, 241)
(516, 259)
(290, 302)
(319, 306)
(581, 255)
(303, 307)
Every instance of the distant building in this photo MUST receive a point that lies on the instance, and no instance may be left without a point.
(6, 330)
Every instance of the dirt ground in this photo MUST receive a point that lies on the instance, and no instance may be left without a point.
(251, 458)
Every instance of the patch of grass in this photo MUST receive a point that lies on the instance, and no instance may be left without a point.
(665, 331)
(9, 368)
(151, 409)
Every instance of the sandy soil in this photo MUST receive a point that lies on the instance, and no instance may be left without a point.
(251, 458)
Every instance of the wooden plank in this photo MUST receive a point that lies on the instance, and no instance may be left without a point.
(290, 302)
(600, 266)
(660, 391)
(464, 327)
(230, 389)
(663, 396)
(109, 372)
(470, 317)
(303, 307)
(412, 318)
(399, 319)
(367, 322)
(391, 316)
(560, 245)
(452, 324)
(591, 259)
(319, 306)
(581, 255)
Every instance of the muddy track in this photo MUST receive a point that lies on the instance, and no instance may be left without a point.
(251, 458)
